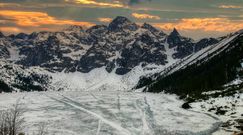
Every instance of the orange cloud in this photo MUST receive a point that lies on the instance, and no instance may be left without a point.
(205, 24)
(10, 29)
(36, 19)
(33, 21)
(105, 20)
(145, 16)
(230, 6)
(95, 3)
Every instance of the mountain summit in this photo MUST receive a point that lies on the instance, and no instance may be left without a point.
(175, 33)
(121, 23)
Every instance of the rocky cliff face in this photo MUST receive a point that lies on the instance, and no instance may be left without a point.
(121, 45)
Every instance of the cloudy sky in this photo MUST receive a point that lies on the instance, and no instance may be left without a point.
(194, 18)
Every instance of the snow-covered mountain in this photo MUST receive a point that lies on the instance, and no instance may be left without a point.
(122, 44)
(115, 55)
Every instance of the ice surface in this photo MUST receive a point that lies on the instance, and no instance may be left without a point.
(109, 113)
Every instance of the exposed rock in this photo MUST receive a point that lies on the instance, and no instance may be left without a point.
(186, 105)
(220, 111)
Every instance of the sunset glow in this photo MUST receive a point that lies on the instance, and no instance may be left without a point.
(204, 24)
(145, 16)
(36, 19)
(105, 20)
(222, 16)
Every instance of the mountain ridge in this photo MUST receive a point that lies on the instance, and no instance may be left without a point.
(121, 48)
(120, 34)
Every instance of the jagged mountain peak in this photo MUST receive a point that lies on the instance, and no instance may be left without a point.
(175, 32)
(121, 20)
(120, 23)
(176, 40)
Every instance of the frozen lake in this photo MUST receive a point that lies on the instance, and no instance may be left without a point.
(109, 113)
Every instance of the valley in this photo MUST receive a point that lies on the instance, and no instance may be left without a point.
(124, 79)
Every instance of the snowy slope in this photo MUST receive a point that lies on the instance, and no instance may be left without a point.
(99, 80)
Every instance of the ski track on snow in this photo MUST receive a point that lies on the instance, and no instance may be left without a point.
(104, 120)
(99, 127)
(145, 128)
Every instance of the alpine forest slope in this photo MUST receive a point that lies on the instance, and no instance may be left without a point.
(211, 69)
